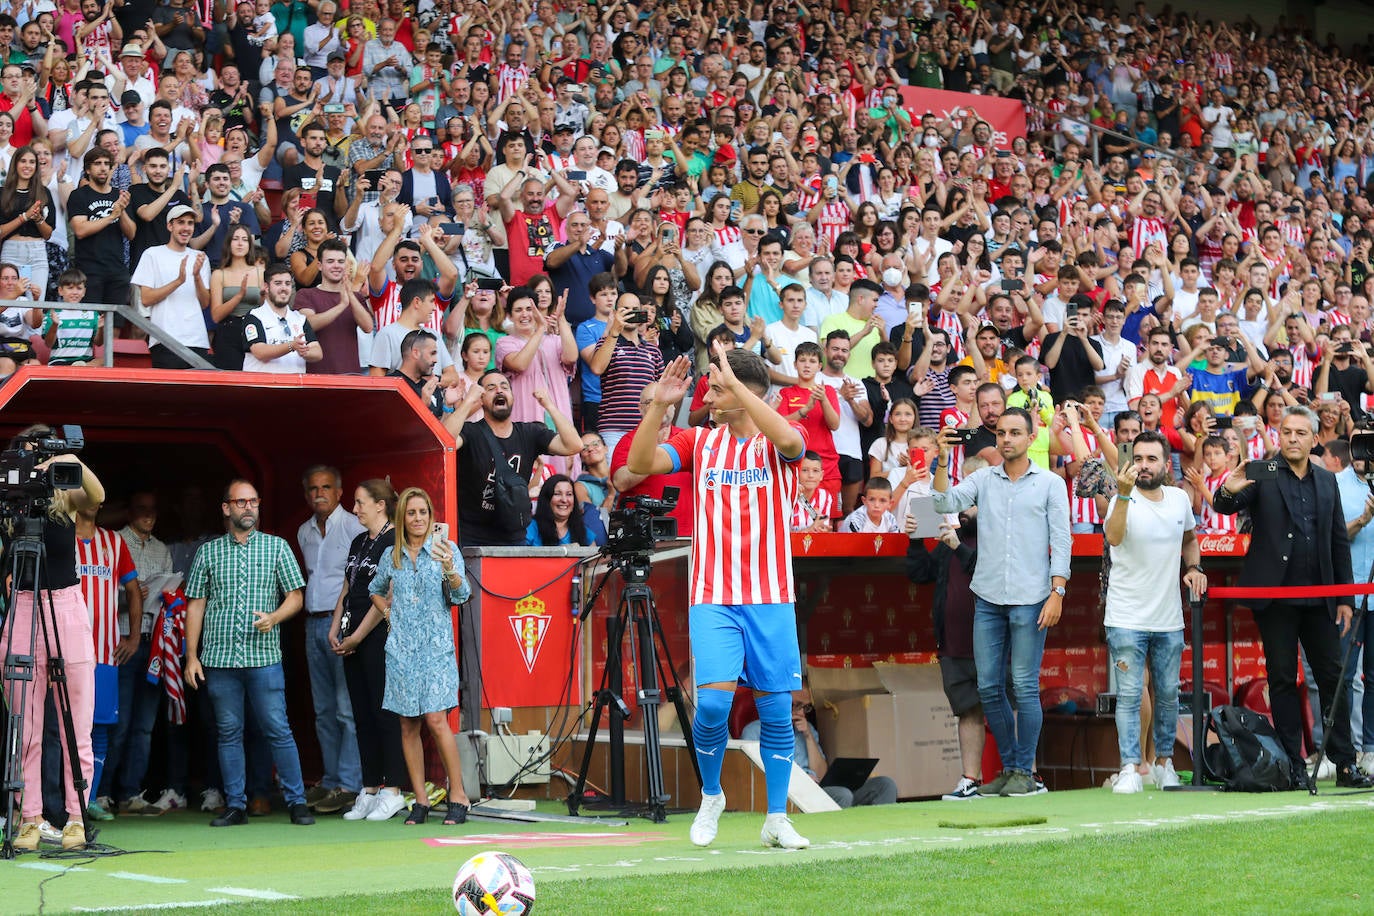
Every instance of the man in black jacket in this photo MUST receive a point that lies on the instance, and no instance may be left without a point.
(950, 568)
(1299, 540)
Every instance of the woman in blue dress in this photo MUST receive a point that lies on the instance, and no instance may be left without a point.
(421, 666)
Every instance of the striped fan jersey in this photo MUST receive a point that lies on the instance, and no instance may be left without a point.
(105, 566)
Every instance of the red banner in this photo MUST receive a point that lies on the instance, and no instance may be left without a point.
(527, 643)
(1007, 116)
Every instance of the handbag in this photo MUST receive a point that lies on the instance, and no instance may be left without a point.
(510, 491)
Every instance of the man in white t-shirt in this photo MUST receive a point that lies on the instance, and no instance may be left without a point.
(176, 305)
(787, 332)
(1118, 358)
(1149, 526)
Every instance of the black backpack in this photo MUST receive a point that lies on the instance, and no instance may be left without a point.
(1249, 756)
(510, 490)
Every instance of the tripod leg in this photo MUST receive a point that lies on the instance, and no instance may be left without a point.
(640, 599)
(19, 672)
(673, 689)
(62, 692)
(604, 695)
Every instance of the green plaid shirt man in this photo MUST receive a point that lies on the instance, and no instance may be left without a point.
(238, 580)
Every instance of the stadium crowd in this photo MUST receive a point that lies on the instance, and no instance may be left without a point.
(527, 210)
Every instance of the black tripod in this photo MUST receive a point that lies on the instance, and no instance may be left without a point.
(27, 556)
(1356, 645)
(645, 638)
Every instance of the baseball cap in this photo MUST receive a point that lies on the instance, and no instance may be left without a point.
(179, 211)
(130, 97)
(336, 55)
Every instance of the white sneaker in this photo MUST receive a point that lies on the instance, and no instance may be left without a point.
(1366, 763)
(171, 800)
(1164, 776)
(1326, 771)
(707, 821)
(48, 833)
(211, 800)
(1128, 781)
(362, 806)
(386, 806)
(778, 831)
(966, 789)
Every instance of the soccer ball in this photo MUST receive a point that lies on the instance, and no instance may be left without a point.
(493, 883)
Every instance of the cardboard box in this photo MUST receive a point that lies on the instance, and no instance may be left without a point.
(896, 713)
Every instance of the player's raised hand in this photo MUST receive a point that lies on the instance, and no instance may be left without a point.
(673, 384)
(720, 367)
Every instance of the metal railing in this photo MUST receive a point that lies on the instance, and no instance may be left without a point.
(130, 313)
(1184, 160)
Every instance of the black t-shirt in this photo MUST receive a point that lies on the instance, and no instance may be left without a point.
(302, 176)
(234, 106)
(59, 564)
(1350, 383)
(897, 389)
(149, 233)
(1074, 372)
(1014, 339)
(479, 524)
(985, 438)
(103, 251)
(363, 556)
(435, 404)
(1167, 123)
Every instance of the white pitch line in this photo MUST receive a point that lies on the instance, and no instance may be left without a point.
(147, 879)
(152, 906)
(48, 866)
(251, 892)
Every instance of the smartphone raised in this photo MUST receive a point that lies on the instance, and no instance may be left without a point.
(1125, 455)
(667, 233)
(1013, 286)
(577, 175)
(453, 228)
(1267, 469)
(494, 285)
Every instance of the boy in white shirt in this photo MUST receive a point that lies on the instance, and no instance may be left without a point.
(784, 334)
(874, 515)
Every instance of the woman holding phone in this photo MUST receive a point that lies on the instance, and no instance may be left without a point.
(412, 590)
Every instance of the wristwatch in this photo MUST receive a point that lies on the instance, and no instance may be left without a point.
(1060, 590)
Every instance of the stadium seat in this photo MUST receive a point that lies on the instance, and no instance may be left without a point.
(1216, 691)
(271, 192)
(742, 711)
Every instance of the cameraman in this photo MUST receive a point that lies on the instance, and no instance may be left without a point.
(70, 634)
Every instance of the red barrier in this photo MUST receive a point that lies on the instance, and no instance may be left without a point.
(1295, 591)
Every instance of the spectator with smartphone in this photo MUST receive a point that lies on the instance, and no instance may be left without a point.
(1345, 371)
(627, 364)
(1220, 385)
(1073, 357)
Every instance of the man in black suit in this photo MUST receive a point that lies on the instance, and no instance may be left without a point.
(1299, 539)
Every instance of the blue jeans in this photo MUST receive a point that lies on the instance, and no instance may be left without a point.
(264, 690)
(333, 709)
(1128, 651)
(132, 739)
(1005, 634)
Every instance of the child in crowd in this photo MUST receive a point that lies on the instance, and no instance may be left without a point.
(889, 453)
(1218, 463)
(815, 505)
(816, 408)
(874, 515)
(71, 332)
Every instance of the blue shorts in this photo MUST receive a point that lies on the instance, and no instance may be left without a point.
(753, 643)
(106, 711)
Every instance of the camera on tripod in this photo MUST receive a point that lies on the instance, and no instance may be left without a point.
(24, 487)
(641, 522)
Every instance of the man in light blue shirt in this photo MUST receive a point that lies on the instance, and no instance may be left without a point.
(1024, 547)
(1357, 504)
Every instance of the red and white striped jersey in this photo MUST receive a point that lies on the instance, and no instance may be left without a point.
(745, 496)
(1337, 317)
(806, 512)
(834, 219)
(1211, 522)
(1146, 230)
(1219, 62)
(1294, 234)
(634, 145)
(104, 565)
(953, 416)
(510, 80)
(1278, 269)
(949, 322)
(1255, 447)
(386, 307)
(727, 236)
(1304, 367)
(1084, 508)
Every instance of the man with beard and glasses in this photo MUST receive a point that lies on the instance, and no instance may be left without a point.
(241, 587)
(1149, 527)
(520, 444)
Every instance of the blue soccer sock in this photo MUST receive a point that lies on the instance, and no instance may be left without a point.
(710, 732)
(100, 743)
(777, 745)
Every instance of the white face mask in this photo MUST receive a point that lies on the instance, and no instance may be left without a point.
(892, 276)
(932, 140)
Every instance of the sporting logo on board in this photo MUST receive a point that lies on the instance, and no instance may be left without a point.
(1229, 543)
(530, 625)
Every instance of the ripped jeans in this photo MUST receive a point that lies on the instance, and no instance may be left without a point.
(1128, 650)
